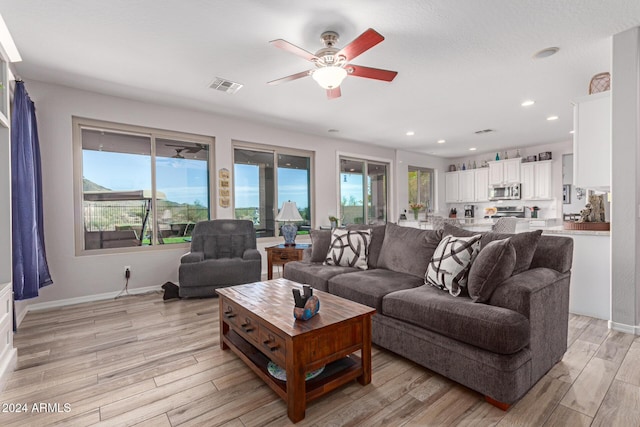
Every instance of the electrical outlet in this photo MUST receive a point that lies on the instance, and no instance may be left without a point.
(127, 271)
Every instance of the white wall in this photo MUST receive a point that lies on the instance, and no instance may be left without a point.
(625, 182)
(81, 276)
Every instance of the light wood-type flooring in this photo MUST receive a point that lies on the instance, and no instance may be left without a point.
(141, 361)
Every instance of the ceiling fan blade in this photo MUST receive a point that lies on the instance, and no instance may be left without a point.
(334, 93)
(362, 43)
(371, 73)
(285, 45)
(291, 77)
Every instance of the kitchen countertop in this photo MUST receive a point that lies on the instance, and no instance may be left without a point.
(524, 224)
(559, 229)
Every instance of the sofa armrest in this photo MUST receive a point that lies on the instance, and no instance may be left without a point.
(516, 292)
(541, 295)
(251, 254)
(190, 257)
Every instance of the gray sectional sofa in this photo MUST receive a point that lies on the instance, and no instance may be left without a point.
(500, 347)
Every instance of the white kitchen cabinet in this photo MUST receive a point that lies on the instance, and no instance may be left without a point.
(504, 171)
(466, 188)
(536, 180)
(460, 186)
(592, 141)
(481, 184)
(451, 183)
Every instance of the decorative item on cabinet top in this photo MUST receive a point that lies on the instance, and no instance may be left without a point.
(601, 82)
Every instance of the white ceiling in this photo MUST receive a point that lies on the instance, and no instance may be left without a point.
(463, 65)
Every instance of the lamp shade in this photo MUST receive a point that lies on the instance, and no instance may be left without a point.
(329, 77)
(289, 213)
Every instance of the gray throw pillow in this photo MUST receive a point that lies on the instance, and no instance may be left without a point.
(320, 241)
(525, 245)
(493, 265)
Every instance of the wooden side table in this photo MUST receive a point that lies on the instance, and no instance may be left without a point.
(281, 254)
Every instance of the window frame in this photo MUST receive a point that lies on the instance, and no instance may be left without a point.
(275, 150)
(80, 123)
(432, 189)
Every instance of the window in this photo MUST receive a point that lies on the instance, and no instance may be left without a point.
(363, 191)
(421, 186)
(138, 186)
(266, 177)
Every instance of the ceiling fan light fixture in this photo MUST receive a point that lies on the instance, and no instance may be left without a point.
(329, 77)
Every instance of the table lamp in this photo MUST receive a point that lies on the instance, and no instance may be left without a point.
(289, 214)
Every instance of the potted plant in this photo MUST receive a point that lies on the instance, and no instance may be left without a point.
(415, 207)
(334, 221)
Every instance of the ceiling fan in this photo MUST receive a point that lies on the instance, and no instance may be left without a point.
(333, 64)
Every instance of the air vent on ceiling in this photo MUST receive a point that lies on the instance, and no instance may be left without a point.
(480, 132)
(225, 85)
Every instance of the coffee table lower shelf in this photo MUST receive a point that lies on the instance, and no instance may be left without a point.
(334, 375)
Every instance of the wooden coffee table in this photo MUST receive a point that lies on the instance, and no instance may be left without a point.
(256, 323)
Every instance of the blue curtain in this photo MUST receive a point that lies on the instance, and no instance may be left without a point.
(30, 270)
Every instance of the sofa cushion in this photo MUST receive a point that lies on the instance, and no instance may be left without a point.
(493, 265)
(315, 274)
(525, 243)
(377, 238)
(349, 248)
(449, 267)
(369, 287)
(495, 329)
(407, 249)
(320, 241)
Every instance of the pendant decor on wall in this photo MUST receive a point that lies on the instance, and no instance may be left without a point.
(224, 188)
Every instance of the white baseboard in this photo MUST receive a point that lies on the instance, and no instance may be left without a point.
(621, 327)
(87, 298)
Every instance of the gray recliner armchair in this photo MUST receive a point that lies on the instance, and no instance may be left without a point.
(223, 253)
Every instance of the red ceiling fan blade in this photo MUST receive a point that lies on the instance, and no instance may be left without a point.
(285, 45)
(334, 93)
(371, 73)
(291, 77)
(364, 42)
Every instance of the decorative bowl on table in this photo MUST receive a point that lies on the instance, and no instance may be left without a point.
(281, 374)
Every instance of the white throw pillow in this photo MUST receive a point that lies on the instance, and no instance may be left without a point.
(349, 248)
(451, 261)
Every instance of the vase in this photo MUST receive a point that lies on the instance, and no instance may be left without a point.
(415, 213)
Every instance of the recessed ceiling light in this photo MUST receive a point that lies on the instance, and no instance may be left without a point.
(528, 103)
(410, 133)
(472, 149)
(441, 141)
(551, 118)
(545, 53)
(572, 132)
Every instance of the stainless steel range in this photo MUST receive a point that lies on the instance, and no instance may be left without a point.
(514, 211)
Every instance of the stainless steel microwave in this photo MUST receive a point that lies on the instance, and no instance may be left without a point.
(504, 192)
